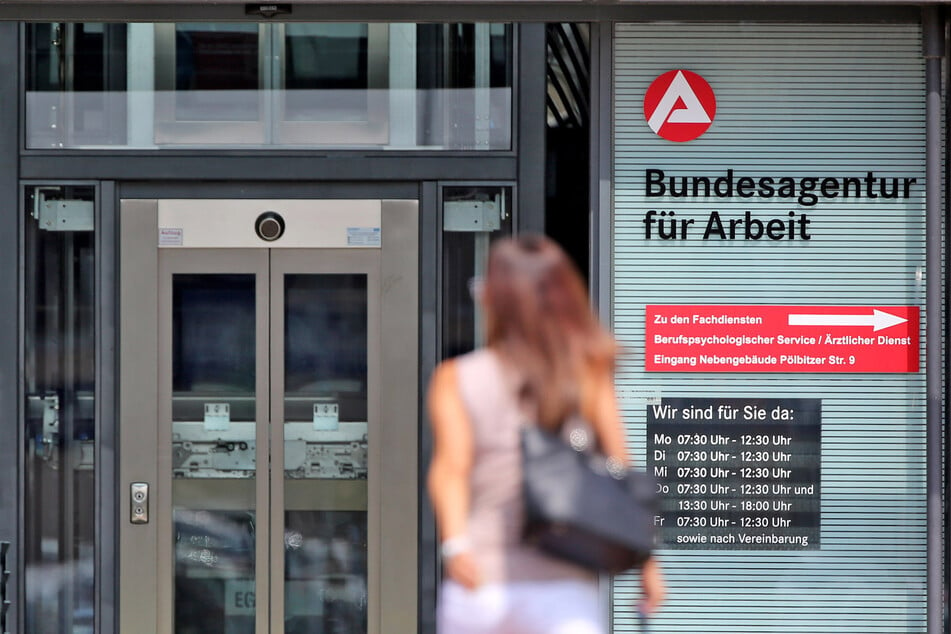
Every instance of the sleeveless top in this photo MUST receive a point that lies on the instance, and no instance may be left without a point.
(495, 505)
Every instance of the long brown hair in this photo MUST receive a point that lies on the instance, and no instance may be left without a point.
(540, 322)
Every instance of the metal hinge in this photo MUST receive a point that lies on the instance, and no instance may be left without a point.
(474, 215)
(57, 214)
(48, 441)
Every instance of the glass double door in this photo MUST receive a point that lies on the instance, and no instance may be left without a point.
(266, 500)
(268, 409)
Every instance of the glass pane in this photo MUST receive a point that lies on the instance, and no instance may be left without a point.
(213, 346)
(59, 380)
(464, 78)
(325, 452)
(214, 572)
(213, 451)
(76, 81)
(322, 84)
(473, 216)
(325, 572)
(325, 330)
(326, 73)
(213, 400)
(217, 72)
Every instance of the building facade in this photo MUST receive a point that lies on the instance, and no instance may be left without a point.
(240, 237)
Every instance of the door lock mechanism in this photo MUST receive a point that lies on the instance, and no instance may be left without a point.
(139, 502)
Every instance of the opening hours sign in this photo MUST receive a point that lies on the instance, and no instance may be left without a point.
(731, 338)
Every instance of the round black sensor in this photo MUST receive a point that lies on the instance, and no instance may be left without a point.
(269, 226)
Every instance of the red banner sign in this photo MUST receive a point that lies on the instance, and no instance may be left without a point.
(782, 339)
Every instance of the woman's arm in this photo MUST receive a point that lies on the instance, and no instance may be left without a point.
(600, 407)
(449, 470)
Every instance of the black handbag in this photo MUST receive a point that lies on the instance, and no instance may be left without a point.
(580, 507)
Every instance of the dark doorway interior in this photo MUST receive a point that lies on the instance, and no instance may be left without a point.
(567, 207)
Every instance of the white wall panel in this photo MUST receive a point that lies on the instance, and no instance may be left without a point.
(792, 100)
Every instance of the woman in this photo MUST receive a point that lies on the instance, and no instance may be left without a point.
(547, 360)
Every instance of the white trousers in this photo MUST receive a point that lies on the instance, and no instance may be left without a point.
(527, 607)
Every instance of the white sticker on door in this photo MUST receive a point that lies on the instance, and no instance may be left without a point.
(363, 237)
(170, 236)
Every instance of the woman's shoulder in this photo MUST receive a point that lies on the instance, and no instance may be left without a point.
(471, 365)
(479, 356)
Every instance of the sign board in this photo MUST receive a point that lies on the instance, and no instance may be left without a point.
(737, 474)
(731, 338)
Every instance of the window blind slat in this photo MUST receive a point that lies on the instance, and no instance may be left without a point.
(797, 100)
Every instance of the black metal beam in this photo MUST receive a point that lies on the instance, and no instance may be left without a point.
(270, 189)
(107, 424)
(429, 289)
(10, 380)
(526, 11)
(531, 113)
(263, 167)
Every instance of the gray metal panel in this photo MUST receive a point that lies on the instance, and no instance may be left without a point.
(428, 565)
(933, 29)
(106, 423)
(464, 12)
(601, 193)
(399, 363)
(304, 167)
(602, 95)
(10, 379)
(946, 444)
(138, 403)
(530, 215)
(282, 190)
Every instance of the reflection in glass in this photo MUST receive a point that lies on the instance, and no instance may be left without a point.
(325, 452)
(465, 96)
(205, 84)
(325, 572)
(472, 218)
(217, 72)
(76, 79)
(325, 330)
(213, 343)
(213, 375)
(325, 366)
(326, 73)
(214, 572)
(59, 351)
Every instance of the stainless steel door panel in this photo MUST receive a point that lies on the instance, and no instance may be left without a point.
(269, 492)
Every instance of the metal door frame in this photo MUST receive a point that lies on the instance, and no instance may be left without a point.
(393, 492)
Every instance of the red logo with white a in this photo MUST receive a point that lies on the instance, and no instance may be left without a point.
(679, 105)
